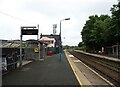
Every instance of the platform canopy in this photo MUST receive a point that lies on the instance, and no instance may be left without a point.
(46, 40)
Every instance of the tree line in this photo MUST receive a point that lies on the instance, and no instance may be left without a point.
(101, 31)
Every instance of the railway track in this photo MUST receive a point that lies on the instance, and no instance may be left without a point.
(109, 71)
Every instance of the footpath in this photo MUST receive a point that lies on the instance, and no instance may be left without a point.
(48, 72)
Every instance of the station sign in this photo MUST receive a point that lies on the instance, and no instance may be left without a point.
(29, 31)
(36, 50)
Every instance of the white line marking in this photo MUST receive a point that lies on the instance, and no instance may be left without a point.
(71, 56)
(73, 68)
(76, 61)
(98, 74)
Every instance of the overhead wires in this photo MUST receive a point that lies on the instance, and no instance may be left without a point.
(16, 18)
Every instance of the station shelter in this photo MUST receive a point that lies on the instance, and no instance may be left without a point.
(46, 46)
(52, 42)
(116, 50)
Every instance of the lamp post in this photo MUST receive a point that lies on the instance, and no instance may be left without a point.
(60, 24)
(60, 43)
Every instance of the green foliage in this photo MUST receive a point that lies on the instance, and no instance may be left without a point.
(66, 47)
(80, 44)
(116, 20)
(23, 45)
(101, 31)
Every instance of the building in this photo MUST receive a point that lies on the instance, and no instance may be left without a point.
(116, 50)
(50, 42)
(31, 43)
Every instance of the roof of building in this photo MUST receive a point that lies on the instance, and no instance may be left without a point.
(115, 46)
(57, 37)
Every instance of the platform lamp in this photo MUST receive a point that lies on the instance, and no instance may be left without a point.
(60, 43)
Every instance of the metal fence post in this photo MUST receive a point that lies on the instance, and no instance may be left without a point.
(20, 62)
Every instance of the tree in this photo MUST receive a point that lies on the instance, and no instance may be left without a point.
(93, 32)
(116, 21)
(102, 31)
(80, 44)
(88, 29)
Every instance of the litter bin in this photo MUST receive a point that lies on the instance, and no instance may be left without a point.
(49, 53)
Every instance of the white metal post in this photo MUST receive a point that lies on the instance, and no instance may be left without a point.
(20, 62)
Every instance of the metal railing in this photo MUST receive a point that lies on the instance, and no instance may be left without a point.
(10, 62)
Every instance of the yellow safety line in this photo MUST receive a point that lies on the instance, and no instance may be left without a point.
(74, 71)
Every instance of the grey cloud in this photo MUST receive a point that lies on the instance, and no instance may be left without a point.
(53, 11)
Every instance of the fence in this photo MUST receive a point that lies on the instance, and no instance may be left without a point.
(31, 54)
(10, 58)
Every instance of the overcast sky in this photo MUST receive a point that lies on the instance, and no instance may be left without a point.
(17, 13)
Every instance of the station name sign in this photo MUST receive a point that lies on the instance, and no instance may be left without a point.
(29, 31)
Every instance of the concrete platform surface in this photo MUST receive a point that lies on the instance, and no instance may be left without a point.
(85, 75)
(48, 72)
(100, 56)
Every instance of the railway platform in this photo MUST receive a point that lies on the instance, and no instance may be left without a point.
(51, 71)
(100, 56)
(86, 75)
(48, 72)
